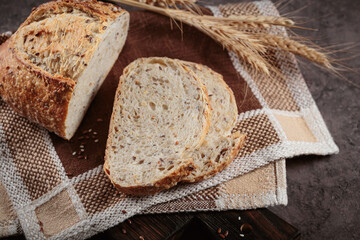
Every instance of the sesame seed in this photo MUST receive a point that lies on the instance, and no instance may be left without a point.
(82, 150)
(96, 140)
(242, 235)
(226, 233)
(90, 130)
(74, 153)
(239, 218)
(141, 238)
(81, 146)
(95, 133)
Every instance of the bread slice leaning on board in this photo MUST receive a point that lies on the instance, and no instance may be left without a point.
(161, 115)
(220, 146)
(54, 64)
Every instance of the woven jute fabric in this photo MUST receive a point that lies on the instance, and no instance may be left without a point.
(48, 191)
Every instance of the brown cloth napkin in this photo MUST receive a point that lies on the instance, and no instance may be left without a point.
(57, 192)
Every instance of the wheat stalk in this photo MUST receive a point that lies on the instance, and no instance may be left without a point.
(247, 36)
(297, 48)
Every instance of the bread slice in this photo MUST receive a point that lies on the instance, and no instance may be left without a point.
(220, 146)
(55, 63)
(161, 115)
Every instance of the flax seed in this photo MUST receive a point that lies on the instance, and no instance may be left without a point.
(123, 211)
(222, 235)
(124, 231)
(219, 230)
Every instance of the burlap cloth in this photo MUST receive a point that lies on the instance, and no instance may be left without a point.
(47, 192)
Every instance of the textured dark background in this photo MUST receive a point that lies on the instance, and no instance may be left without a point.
(323, 191)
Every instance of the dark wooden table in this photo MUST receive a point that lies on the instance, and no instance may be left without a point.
(323, 191)
(252, 224)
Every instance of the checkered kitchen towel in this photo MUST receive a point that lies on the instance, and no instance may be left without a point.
(48, 192)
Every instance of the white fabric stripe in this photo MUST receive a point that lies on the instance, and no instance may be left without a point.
(280, 173)
(87, 175)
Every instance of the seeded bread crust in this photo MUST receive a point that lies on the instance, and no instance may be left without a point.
(33, 92)
(187, 165)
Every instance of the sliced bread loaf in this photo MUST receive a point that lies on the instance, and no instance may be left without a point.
(53, 66)
(161, 115)
(220, 146)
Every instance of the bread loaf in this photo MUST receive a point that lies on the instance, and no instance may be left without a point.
(53, 66)
(220, 146)
(160, 116)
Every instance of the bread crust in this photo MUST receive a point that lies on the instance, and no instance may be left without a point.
(31, 91)
(178, 174)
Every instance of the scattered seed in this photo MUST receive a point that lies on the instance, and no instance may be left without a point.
(141, 238)
(40, 223)
(124, 231)
(177, 143)
(81, 146)
(242, 235)
(123, 211)
(90, 130)
(246, 228)
(80, 138)
(93, 137)
(219, 230)
(74, 153)
(96, 140)
(80, 157)
(99, 120)
(84, 132)
(85, 157)
(87, 137)
(129, 221)
(104, 27)
(82, 150)
(226, 233)
(222, 235)
(95, 133)
(239, 218)
(69, 174)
